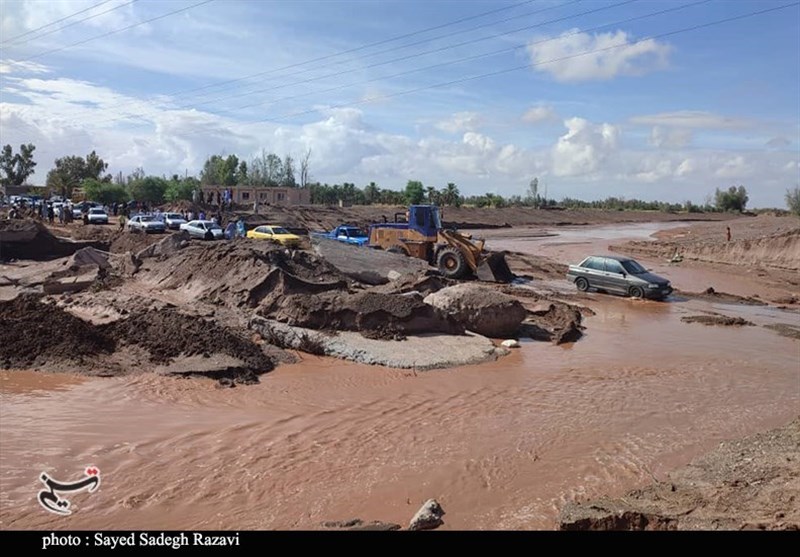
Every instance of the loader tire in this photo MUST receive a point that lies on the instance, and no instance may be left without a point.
(451, 263)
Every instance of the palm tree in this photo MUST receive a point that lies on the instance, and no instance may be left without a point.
(451, 195)
(371, 193)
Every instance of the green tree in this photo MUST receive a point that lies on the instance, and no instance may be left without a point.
(150, 189)
(287, 178)
(450, 195)
(415, 192)
(241, 174)
(732, 199)
(95, 167)
(178, 188)
(274, 170)
(793, 200)
(104, 192)
(70, 171)
(371, 193)
(16, 168)
(533, 199)
(222, 171)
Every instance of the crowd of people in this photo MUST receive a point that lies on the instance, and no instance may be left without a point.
(64, 212)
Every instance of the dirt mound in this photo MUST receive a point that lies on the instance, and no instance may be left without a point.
(482, 310)
(167, 334)
(279, 283)
(130, 241)
(374, 314)
(785, 330)
(237, 273)
(535, 266)
(30, 239)
(722, 320)
(369, 266)
(558, 323)
(712, 295)
(752, 484)
(35, 334)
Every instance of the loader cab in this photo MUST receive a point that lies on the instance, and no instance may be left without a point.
(425, 219)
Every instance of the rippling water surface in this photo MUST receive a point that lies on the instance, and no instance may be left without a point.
(502, 445)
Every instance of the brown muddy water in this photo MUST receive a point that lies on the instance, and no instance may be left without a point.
(501, 446)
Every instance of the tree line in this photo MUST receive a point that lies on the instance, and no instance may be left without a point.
(269, 170)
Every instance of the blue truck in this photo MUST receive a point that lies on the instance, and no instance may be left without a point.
(345, 233)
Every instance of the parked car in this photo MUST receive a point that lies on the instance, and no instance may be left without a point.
(97, 216)
(276, 233)
(173, 220)
(203, 229)
(146, 224)
(622, 275)
(346, 234)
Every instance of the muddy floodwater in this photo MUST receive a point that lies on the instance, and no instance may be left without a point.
(500, 445)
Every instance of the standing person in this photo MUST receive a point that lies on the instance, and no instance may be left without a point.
(219, 198)
(202, 215)
(230, 231)
(728, 228)
(122, 221)
(241, 232)
(50, 214)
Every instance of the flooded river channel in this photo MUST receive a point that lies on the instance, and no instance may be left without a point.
(501, 446)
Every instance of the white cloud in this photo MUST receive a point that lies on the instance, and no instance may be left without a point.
(653, 169)
(734, 167)
(686, 167)
(576, 56)
(63, 116)
(691, 119)
(669, 138)
(22, 67)
(584, 147)
(18, 18)
(479, 142)
(540, 113)
(461, 122)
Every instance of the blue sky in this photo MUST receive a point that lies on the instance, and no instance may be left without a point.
(594, 97)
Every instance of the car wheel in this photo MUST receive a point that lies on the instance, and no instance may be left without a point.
(636, 292)
(582, 284)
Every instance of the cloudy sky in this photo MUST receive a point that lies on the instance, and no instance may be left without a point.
(639, 98)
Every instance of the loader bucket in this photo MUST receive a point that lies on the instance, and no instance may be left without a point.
(493, 268)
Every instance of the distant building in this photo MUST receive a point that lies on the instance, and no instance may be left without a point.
(246, 195)
(24, 189)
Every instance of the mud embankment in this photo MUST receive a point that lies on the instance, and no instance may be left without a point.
(778, 251)
(43, 336)
(751, 484)
(29, 239)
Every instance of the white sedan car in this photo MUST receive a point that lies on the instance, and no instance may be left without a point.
(203, 229)
(97, 216)
(146, 223)
(173, 220)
